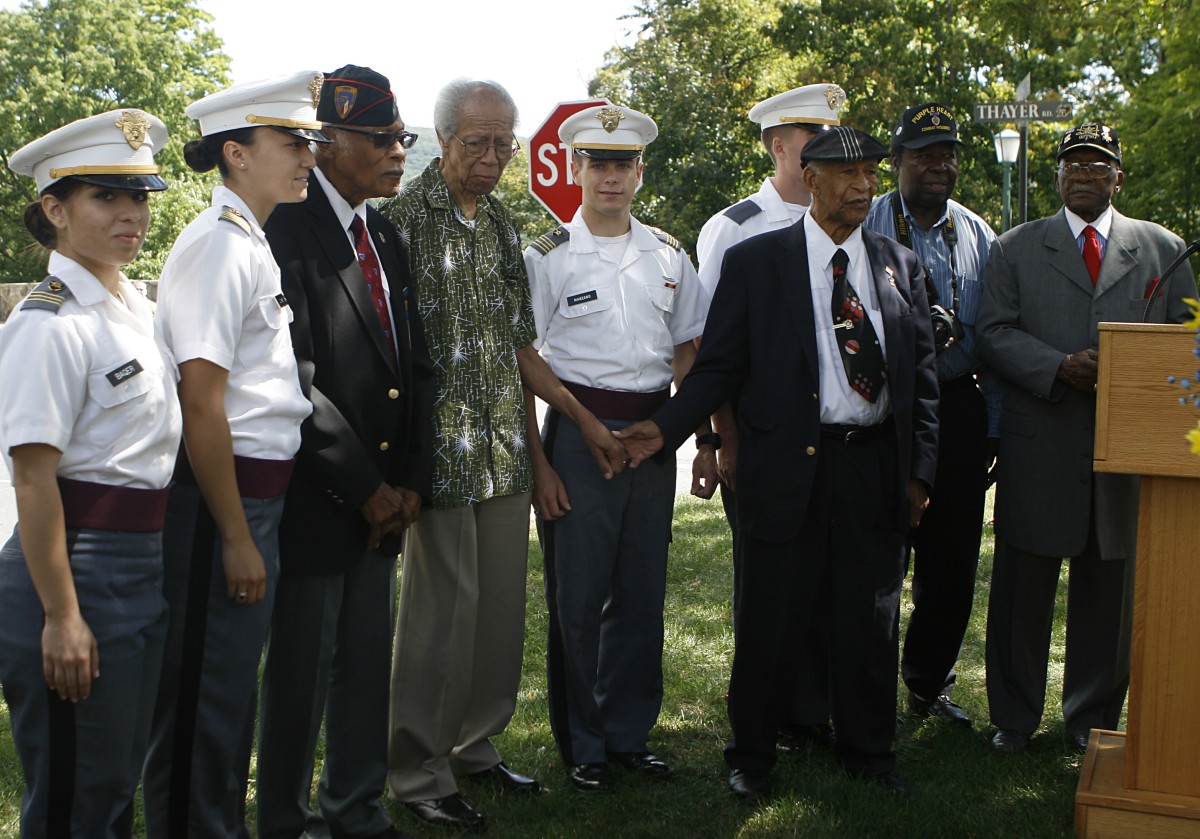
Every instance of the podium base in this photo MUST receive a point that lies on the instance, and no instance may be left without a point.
(1105, 809)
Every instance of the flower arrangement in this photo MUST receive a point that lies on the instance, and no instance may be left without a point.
(1192, 397)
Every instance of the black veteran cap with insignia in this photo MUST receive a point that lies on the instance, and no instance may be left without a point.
(354, 95)
(841, 144)
(114, 149)
(1094, 136)
(923, 126)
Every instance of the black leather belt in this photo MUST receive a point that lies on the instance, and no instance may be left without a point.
(966, 382)
(857, 435)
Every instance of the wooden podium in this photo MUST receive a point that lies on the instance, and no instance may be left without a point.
(1146, 783)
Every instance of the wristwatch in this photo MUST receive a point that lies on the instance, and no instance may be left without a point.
(712, 439)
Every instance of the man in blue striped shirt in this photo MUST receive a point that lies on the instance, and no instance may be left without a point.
(953, 244)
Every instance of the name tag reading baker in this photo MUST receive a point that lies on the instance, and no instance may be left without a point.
(124, 373)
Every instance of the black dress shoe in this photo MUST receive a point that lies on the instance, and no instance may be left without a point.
(451, 811)
(892, 783)
(748, 784)
(642, 763)
(507, 780)
(392, 833)
(1079, 742)
(1009, 742)
(943, 707)
(798, 736)
(591, 778)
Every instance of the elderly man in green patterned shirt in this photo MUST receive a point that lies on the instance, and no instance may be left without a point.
(461, 625)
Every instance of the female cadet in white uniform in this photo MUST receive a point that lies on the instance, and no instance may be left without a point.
(89, 426)
(223, 320)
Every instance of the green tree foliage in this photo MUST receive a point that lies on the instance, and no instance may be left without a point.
(66, 59)
(513, 191)
(1160, 126)
(697, 66)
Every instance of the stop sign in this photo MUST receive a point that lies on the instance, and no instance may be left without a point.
(550, 163)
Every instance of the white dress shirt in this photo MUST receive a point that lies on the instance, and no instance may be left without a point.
(220, 299)
(90, 381)
(839, 403)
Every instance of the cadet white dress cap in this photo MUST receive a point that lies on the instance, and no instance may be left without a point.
(287, 103)
(115, 149)
(814, 106)
(607, 132)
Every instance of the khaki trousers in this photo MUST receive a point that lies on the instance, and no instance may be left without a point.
(460, 636)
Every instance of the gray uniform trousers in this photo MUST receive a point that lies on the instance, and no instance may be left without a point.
(197, 768)
(82, 761)
(605, 579)
(328, 657)
(1020, 620)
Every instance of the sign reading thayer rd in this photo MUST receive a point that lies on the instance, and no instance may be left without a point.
(1053, 111)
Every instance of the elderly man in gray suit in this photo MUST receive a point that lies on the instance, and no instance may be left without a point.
(1047, 286)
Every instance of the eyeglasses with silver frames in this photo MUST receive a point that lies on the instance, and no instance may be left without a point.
(478, 148)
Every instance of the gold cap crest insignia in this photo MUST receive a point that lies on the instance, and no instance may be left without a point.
(133, 125)
(835, 96)
(610, 118)
(314, 87)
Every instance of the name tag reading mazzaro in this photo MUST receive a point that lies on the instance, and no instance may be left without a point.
(585, 297)
(124, 373)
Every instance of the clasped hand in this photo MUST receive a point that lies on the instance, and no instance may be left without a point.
(390, 510)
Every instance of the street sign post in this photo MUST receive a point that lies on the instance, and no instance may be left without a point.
(1050, 111)
(550, 163)
(1022, 113)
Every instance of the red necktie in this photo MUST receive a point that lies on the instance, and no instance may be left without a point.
(861, 356)
(1091, 252)
(373, 274)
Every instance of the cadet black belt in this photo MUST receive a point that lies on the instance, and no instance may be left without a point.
(857, 435)
(105, 507)
(618, 404)
(256, 477)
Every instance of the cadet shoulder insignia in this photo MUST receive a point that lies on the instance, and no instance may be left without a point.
(547, 243)
(230, 214)
(666, 238)
(743, 211)
(50, 294)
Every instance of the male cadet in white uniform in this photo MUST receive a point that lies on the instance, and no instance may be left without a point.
(788, 120)
(617, 306)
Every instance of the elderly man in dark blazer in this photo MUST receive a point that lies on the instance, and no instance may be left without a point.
(365, 462)
(1047, 286)
(822, 330)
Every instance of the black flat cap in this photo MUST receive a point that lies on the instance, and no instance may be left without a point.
(842, 144)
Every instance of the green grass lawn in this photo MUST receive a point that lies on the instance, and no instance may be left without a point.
(962, 790)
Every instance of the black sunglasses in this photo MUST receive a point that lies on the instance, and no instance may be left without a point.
(382, 139)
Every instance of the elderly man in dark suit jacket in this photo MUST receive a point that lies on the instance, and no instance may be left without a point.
(1047, 286)
(823, 331)
(365, 463)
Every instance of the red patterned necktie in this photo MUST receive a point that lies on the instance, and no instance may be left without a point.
(1091, 252)
(862, 357)
(373, 274)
